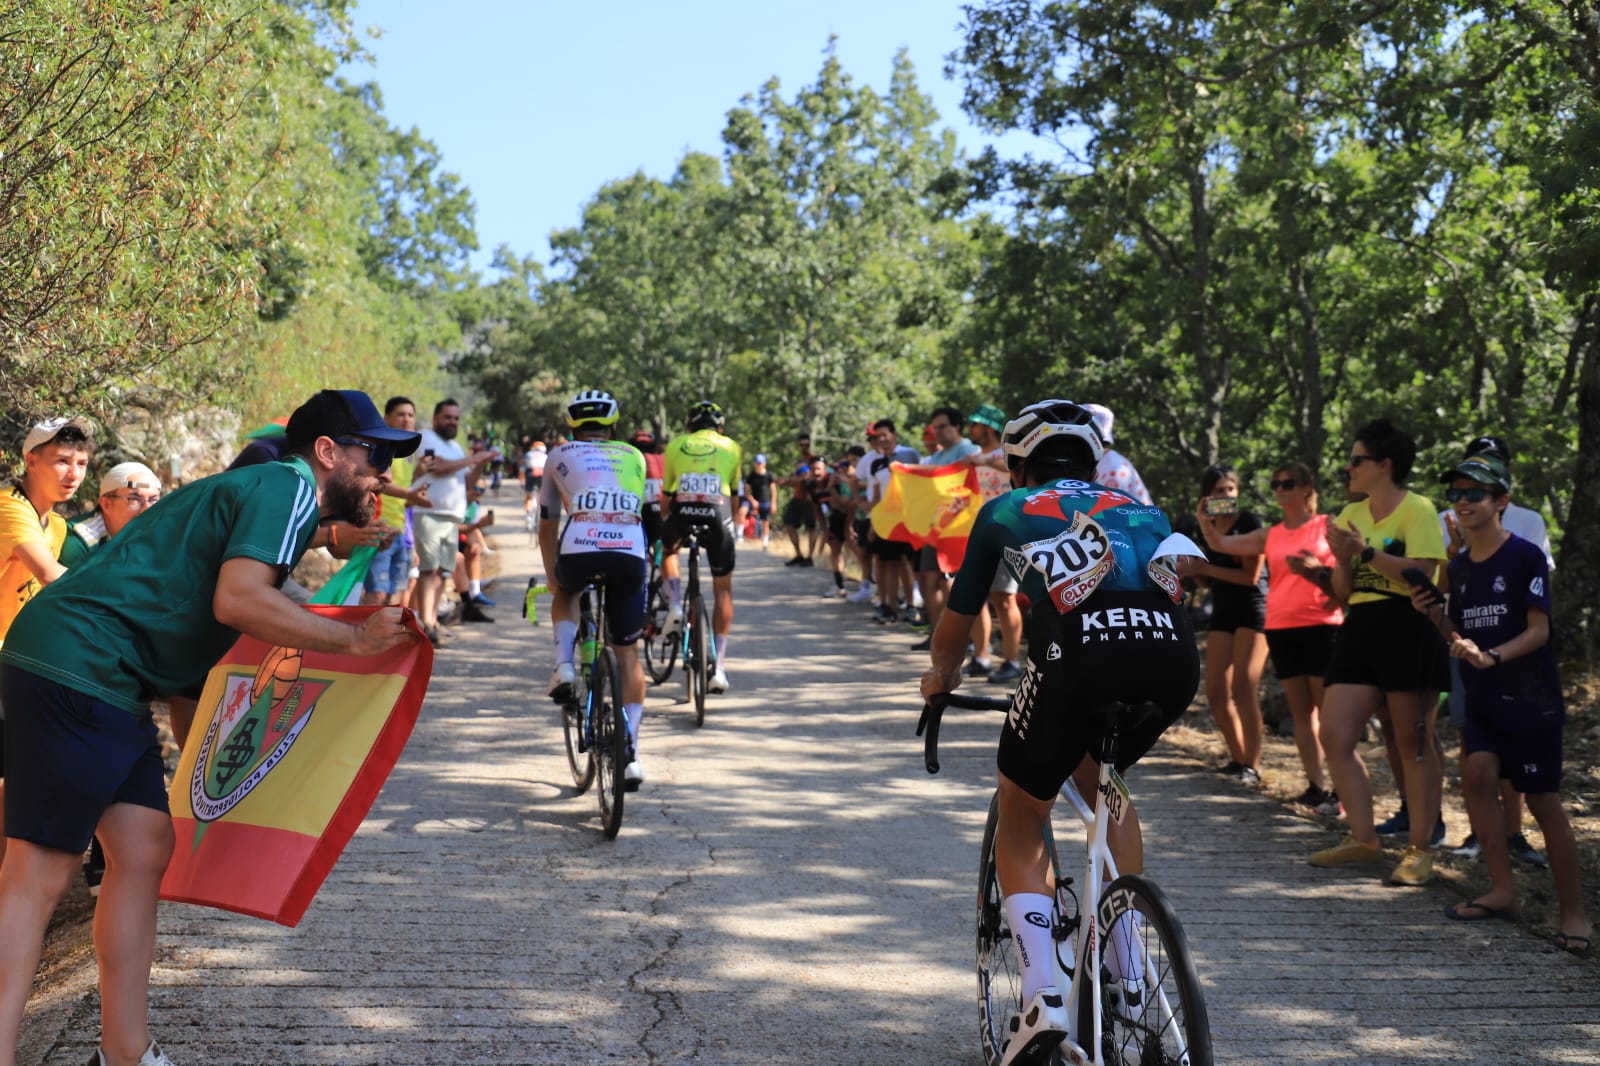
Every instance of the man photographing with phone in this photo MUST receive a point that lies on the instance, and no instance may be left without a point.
(1497, 622)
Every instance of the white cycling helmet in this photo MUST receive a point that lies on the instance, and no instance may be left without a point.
(593, 407)
(1046, 419)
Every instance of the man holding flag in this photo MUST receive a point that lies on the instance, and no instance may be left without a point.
(93, 649)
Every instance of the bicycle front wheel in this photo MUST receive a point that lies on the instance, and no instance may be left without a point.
(1152, 1009)
(660, 647)
(610, 741)
(700, 640)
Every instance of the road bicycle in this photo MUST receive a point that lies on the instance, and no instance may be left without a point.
(660, 643)
(592, 718)
(1144, 1005)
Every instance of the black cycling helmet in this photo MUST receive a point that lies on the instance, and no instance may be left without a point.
(706, 415)
(1050, 419)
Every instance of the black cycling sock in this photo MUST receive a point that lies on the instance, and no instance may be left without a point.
(838, 580)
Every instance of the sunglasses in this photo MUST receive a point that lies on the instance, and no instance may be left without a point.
(133, 499)
(379, 453)
(1357, 460)
(1472, 495)
(1286, 483)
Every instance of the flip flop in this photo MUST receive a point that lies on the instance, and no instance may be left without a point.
(1473, 911)
(1573, 944)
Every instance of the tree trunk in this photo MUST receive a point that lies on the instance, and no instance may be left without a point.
(1577, 621)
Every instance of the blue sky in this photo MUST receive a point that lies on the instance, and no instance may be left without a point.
(536, 104)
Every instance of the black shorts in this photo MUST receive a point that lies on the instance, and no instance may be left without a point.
(624, 577)
(1390, 646)
(531, 483)
(1301, 651)
(799, 514)
(890, 550)
(838, 526)
(1116, 646)
(716, 534)
(1529, 758)
(1233, 610)
(928, 560)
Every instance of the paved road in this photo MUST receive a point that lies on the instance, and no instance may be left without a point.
(790, 887)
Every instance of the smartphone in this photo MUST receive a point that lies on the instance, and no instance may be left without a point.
(1418, 580)
(1222, 505)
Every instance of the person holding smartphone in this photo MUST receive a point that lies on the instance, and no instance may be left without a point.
(1498, 624)
(1236, 652)
(1384, 654)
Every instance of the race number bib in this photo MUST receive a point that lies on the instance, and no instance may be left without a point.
(605, 501)
(1163, 568)
(1073, 562)
(652, 490)
(700, 486)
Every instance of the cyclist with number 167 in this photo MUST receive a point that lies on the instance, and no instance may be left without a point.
(700, 480)
(600, 482)
(1104, 627)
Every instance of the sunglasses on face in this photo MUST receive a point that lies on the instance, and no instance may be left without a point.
(1357, 460)
(134, 499)
(1472, 495)
(379, 453)
(1286, 484)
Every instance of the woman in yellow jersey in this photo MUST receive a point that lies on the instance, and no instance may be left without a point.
(1385, 652)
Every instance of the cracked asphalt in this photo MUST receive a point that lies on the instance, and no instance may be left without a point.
(790, 886)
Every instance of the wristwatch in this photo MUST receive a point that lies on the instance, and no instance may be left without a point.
(1494, 653)
(1367, 553)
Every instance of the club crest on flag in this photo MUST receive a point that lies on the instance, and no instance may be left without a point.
(256, 722)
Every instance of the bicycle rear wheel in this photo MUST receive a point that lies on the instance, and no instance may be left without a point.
(580, 757)
(660, 647)
(1158, 1019)
(610, 741)
(700, 640)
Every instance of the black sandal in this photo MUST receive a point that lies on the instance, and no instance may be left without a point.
(1573, 944)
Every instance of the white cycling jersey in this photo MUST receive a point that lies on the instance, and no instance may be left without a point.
(601, 486)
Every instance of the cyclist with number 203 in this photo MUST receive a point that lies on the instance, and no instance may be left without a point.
(600, 482)
(1104, 626)
(700, 479)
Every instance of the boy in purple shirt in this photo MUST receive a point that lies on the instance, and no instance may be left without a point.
(1498, 624)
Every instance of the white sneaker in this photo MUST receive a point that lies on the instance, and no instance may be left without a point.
(862, 594)
(561, 681)
(633, 776)
(718, 682)
(833, 594)
(1038, 1029)
(153, 1056)
(674, 620)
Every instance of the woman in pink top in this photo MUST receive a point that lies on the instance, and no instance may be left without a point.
(1302, 617)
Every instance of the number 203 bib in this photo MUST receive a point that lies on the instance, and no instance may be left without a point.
(1073, 562)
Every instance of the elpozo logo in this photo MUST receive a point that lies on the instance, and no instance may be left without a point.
(257, 721)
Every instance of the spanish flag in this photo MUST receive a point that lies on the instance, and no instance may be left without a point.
(287, 753)
(930, 505)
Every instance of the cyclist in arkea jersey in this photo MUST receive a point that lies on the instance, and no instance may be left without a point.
(1104, 627)
(600, 482)
(699, 482)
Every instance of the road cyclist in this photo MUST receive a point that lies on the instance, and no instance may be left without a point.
(700, 481)
(600, 484)
(1098, 568)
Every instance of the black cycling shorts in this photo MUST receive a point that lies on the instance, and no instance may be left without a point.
(716, 533)
(650, 518)
(1116, 646)
(624, 577)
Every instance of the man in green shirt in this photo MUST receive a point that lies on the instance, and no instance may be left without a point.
(146, 615)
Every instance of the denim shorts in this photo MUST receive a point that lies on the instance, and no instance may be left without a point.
(390, 568)
(70, 757)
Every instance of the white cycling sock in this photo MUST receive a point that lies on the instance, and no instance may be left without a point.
(475, 588)
(1028, 914)
(635, 713)
(566, 637)
(1124, 955)
(722, 650)
(675, 592)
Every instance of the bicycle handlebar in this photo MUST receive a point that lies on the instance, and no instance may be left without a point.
(933, 711)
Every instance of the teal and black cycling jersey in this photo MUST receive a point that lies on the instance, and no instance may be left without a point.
(1061, 541)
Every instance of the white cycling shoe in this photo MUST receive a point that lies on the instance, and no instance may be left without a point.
(717, 683)
(633, 776)
(1037, 1030)
(561, 682)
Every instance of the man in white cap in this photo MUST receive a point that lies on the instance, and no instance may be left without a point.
(126, 490)
(55, 458)
(1114, 471)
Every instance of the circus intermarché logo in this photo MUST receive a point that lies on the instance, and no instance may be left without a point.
(256, 722)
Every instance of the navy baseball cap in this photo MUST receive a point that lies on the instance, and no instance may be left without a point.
(346, 413)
